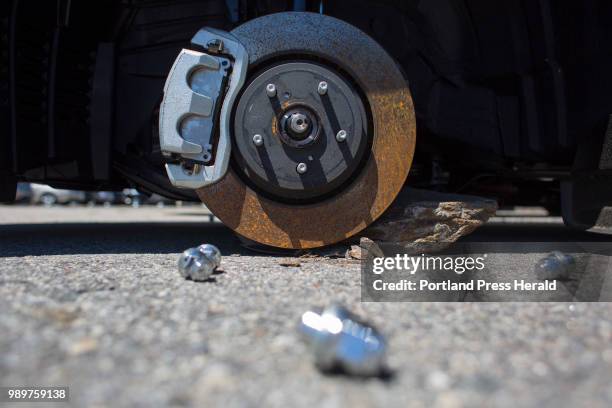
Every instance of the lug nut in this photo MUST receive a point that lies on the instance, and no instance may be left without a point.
(198, 264)
(341, 136)
(211, 252)
(258, 140)
(322, 88)
(271, 90)
(555, 266)
(338, 339)
(302, 168)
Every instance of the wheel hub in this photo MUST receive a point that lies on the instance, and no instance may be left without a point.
(299, 157)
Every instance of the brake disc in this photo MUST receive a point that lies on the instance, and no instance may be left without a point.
(323, 133)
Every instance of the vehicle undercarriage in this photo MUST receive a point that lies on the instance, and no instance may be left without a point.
(298, 122)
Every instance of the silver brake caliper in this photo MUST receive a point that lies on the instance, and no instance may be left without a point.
(194, 116)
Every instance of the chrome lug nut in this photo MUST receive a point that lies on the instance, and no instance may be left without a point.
(341, 136)
(555, 266)
(322, 89)
(258, 140)
(271, 90)
(338, 339)
(301, 168)
(211, 252)
(198, 264)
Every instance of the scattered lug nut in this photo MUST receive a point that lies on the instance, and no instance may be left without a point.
(341, 341)
(211, 252)
(555, 265)
(198, 264)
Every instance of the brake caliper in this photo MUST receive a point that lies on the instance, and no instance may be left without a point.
(194, 116)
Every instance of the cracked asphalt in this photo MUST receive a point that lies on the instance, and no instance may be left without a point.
(90, 298)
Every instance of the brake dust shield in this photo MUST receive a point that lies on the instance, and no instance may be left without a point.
(336, 44)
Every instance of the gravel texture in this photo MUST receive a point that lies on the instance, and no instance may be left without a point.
(99, 306)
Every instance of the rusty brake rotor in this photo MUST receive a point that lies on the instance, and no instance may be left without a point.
(372, 187)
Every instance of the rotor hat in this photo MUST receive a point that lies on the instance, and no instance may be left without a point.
(302, 160)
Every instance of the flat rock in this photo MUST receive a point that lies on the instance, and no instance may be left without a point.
(425, 221)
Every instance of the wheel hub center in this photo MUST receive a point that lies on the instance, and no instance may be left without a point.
(298, 125)
(286, 140)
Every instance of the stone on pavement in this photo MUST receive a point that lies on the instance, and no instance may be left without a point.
(423, 221)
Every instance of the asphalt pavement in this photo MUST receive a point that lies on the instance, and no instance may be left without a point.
(90, 298)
